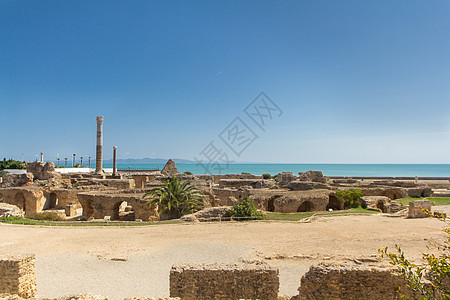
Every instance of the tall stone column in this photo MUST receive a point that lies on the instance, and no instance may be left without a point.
(114, 161)
(42, 157)
(99, 155)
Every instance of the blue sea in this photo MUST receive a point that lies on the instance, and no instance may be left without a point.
(355, 170)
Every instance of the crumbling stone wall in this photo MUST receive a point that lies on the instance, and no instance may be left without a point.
(237, 183)
(313, 176)
(42, 171)
(240, 281)
(29, 198)
(290, 201)
(17, 276)
(14, 180)
(352, 282)
(170, 169)
(97, 205)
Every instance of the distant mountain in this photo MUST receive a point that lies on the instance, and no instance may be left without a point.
(131, 161)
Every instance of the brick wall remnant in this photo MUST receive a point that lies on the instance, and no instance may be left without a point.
(17, 276)
(352, 282)
(219, 281)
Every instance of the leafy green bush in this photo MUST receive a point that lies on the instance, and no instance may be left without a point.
(351, 198)
(2, 173)
(12, 164)
(187, 173)
(275, 177)
(45, 216)
(266, 176)
(245, 173)
(245, 209)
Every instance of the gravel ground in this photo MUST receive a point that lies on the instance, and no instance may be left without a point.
(121, 262)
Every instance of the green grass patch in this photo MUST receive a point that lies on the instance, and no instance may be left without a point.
(302, 215)
(435, 201)
(25, 221)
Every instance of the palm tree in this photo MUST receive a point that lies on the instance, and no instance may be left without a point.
(176, 198)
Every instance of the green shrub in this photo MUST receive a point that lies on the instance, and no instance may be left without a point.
(275, 177)
(245, 209)
(2, 173)
(430, 277)
(12, 164)
(45, 216)
(266, 176)
(245, 173)
(351, 198)
(187, 173)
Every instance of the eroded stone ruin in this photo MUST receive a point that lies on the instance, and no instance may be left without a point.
(89, 196)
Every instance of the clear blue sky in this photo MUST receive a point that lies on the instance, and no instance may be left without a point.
(357, 81)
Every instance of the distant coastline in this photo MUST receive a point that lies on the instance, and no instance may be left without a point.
(363, 170)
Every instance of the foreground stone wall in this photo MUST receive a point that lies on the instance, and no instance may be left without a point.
(17, 276)
(243, 281)
(352, 282)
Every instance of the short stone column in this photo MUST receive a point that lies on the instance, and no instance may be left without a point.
(99, 153)
(42, 156)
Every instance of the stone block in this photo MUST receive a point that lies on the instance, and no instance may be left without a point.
(17, 276)
(419, 208)
(352, 282)
(239, 281)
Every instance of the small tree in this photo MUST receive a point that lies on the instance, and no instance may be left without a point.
(245, 209)
(351, 198)
(176, 198)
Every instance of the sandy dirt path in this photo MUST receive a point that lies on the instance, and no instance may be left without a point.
(72, 260)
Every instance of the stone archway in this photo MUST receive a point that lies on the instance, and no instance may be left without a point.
(380, 206)
(20, 201)
(334, 203)
(306, 206)
(52, 201)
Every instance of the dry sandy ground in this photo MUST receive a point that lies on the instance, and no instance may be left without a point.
(71, 260)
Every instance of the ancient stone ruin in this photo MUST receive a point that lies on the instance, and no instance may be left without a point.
(170, 169)
(17, 276)
(242, 281)
(352, 282)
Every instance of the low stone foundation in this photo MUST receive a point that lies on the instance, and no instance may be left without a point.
(352, 282)
(17, 276)
(240, 281)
